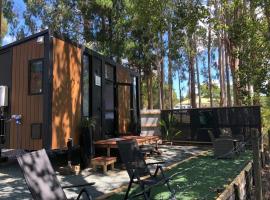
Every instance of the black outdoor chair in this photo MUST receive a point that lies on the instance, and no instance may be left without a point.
(138, 170)
(41, 179)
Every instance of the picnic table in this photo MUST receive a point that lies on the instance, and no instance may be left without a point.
(111, 143)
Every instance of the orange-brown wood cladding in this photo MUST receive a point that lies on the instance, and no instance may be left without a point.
(123, 76)
(66, 97)
(124, 109)
(29, 106)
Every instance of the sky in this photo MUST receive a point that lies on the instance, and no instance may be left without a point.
(20, 7)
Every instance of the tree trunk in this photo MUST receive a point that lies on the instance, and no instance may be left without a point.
(209, 65)
(140, 82)
(179, 85)
(221, 72)
(198, 80)
(161, 66)
(170, 82)
(236, 84)
(149, 91)
(229, 98)
(267, 14)
(220, 55)
(192, 72)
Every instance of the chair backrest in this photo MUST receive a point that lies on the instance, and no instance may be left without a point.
(225, 132)
(211, 135)
(224, 148)
(239, 137)
(133, 158)
(40, 176)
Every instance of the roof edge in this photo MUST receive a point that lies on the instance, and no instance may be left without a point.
(17, 42)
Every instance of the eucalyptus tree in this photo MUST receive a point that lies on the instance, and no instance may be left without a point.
(248, 48)
(189, 13)
(7, 17)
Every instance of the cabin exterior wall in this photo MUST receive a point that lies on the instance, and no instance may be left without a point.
(57, 110)
(29, 106)
(66, 93)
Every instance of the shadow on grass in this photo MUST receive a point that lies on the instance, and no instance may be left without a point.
(199, 178)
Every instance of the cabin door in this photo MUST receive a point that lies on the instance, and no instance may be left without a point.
(109, 101)
(5, 79)
(97, 96)
(128, 107)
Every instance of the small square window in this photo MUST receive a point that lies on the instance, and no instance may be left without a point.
(36, 130)
(35, 76)
(109, 72)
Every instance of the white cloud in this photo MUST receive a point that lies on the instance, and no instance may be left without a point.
(8, 39)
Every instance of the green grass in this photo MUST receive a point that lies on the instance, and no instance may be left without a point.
(199, 178)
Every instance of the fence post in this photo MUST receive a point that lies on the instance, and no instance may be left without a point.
(257, 164)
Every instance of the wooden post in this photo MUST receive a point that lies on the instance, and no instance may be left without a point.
(257, 164)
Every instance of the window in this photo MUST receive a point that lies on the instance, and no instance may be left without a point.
(36, 130)
(35, 76)
(86, 77)
(109, 92)
(109, 72)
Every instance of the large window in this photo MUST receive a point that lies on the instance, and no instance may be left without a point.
(109, 92)
(85, 98)
(35, 76)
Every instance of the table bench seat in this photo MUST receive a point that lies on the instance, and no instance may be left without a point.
(104, 162)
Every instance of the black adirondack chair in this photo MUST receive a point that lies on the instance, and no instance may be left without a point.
(137, 168)
(41, 179)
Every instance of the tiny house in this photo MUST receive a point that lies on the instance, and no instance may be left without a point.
(53, 83)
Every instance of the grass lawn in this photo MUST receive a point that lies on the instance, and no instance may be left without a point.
(199, 178)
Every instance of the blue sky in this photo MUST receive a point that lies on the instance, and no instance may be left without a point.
(20, 7)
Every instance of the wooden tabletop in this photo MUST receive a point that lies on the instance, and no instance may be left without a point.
(112, 141)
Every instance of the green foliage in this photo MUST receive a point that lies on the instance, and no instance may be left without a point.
(4, 27)
(265, 102)
(137, 31)
(155, 90)
(168, 127)
(88, 122)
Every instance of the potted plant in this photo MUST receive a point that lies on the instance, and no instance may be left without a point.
(87, 127)
(169, 130)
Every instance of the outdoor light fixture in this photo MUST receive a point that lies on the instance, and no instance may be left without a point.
(17, 118)
(40, 39)
(3, 96)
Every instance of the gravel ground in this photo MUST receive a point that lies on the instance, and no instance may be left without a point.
(13, 186)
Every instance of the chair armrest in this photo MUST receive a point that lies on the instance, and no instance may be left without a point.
(89, 197)
(156, 163)
(80, 185)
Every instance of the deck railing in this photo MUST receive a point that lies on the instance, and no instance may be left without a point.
(195, 123)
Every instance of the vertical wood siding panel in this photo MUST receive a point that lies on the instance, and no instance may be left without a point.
(30, 106)
(23, 105)
(66, 102)
(30, 111)
(29, 100)
(13, 100)
(19, 97)
(32, 99)
(123, 76)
